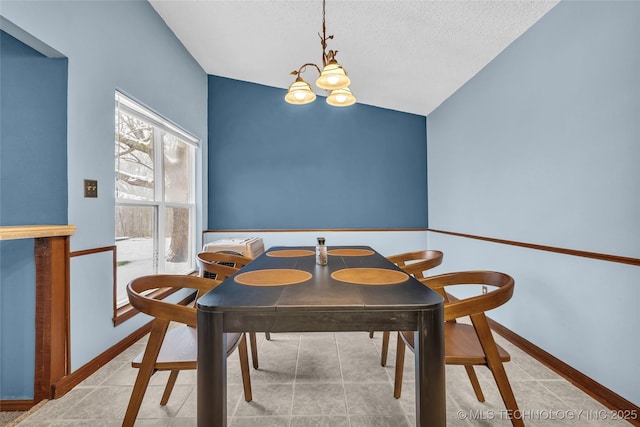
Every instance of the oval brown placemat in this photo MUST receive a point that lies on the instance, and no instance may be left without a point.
(290, 253)
(351, 252)
(370, 276)
(273, 277)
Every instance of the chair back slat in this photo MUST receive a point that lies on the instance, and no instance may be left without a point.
(502, 290)
(159, 309)
(416, 263)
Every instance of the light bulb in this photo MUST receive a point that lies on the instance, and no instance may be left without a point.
(333, 79)
(299, 93)
(341, 98)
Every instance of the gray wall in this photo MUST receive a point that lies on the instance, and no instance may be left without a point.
(543, 146)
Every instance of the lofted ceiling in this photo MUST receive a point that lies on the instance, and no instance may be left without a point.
(404, 55)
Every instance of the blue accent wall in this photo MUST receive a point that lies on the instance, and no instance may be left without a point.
(277, 166)
(33, 190)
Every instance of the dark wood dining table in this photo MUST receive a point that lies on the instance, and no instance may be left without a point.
(284, 290)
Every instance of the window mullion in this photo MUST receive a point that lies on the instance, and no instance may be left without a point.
(157, 241)
(192, 198)
(159, 196)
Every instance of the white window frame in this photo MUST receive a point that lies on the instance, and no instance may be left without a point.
(160, 124)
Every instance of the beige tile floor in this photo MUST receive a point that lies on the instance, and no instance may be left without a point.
(324, 379)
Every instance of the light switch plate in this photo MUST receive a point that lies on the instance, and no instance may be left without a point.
(90, 188)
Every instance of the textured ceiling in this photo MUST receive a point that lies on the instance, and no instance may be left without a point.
(403, 55)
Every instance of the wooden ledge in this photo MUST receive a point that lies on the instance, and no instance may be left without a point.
(35, 231)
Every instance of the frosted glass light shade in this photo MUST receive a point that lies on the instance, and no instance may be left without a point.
(333, 77)
(341, 98)
(299, 93)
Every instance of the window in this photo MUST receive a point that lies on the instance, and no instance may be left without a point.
(155, 210)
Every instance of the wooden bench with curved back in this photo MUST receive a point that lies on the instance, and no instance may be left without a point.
(469, 344)
(222, 265)
(173, 349)
(414, 264)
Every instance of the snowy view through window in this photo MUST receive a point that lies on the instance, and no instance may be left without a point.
(154, 197)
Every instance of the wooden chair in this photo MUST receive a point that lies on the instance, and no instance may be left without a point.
(415, 264)
(220, 266)
(173, 349)
(469, 344)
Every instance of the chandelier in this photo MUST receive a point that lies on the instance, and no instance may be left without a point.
(332, 78)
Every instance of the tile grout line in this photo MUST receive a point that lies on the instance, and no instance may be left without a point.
(344, 388)
(295, 380)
